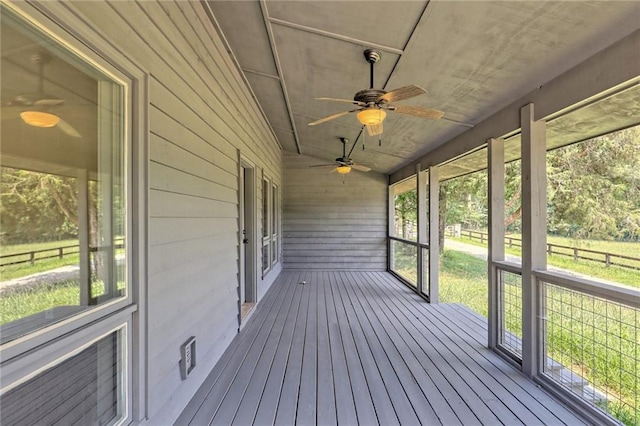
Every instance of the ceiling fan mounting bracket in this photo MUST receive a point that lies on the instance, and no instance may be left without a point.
(372, 56)
(369, 96)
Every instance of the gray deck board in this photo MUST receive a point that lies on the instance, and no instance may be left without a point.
(361, 348)
(238, 348)
(307, 396)
(547, 410)
(230, 395)
(385, 412)
(408, 399)
(356, 380)
(244, 397)
(268, 404)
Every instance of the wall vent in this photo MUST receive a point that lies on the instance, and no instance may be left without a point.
(188, 359)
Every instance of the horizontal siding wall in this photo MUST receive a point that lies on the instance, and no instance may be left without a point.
(331, 221)
(200, 115)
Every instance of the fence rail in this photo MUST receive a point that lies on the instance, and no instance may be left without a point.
(577, 253)
(32, 256)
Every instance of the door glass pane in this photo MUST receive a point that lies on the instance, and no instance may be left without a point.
(62, 179)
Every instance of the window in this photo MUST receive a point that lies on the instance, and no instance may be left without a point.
(270, 221)
(274, 224)
(63, 192)
(65, 283)
(266, 224)
(82, 389)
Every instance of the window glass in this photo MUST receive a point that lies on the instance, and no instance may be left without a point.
(62, 178)
(274, 210)
(83, 389)
(265, 207)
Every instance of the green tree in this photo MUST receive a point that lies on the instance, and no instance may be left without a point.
(406, 211)
(37, 207)
(594, 188)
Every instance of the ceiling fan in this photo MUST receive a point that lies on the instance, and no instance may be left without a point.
(344, 164)
(374, 103)
(36, 108)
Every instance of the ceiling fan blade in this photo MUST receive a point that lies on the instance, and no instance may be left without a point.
(416, 111)
(348, 101)
(68, 129)
(324, 165)
(332, 117)
(360, 167)
(48, 102)
(402, 93)
(374, 129)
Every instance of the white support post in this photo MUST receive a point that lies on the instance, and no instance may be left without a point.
(434, 234)
(496, 231)
(391, 231)
(534, 235)
(421, 178)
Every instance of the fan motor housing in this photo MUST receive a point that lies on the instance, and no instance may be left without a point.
(368, 95)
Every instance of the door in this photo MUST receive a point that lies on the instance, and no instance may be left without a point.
(246, 267)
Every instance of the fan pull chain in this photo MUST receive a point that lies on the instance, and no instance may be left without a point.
(363, 137)
(380, 142)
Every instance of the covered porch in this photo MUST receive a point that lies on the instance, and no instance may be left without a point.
(362, 348)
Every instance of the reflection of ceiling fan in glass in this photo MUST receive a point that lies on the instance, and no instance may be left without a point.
(375, 103)
(38, 109)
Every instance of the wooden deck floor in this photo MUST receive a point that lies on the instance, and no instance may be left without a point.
(360, 348)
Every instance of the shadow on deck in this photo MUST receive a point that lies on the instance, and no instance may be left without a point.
(361, 348)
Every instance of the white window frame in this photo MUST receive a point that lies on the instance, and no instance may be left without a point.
(266, 220)
(27, 356)
(275, 223)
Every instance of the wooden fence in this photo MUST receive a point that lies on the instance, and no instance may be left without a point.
(33, 256)
(606, 258)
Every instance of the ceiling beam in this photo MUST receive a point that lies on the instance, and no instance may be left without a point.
(276, 60)
(336, 36)
(600, 75)
(260, 73)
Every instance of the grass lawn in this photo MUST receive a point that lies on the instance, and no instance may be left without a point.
(16, 304)
(617, 274)
(23, 269)
(604, 339)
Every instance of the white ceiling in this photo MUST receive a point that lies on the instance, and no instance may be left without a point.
(473, 58)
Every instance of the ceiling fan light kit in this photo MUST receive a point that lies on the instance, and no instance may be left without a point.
(371, 116)
(39, 118)
(343, 170)
(38, 104)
